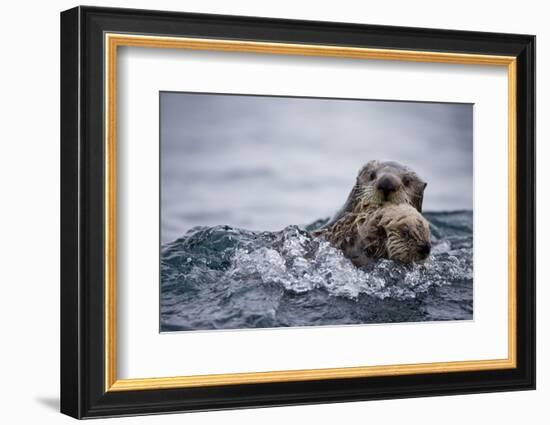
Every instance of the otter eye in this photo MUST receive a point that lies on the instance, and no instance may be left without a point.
(372, 175)
(406, 180)
(405, 233)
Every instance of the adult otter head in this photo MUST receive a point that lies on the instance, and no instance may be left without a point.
(398, 232)
(379, 182)
(383, 181)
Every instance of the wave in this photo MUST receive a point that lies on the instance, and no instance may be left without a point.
(225, 278)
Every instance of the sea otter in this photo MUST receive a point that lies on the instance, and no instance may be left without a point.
(383, 181)
(394, 231)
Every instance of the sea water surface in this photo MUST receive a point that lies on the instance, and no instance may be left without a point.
(223, 277)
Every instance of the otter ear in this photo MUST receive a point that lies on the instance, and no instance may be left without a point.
(419, 198)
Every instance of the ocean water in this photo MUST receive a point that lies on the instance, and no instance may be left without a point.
(223, 277)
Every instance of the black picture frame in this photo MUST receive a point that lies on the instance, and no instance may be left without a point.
(83, 392)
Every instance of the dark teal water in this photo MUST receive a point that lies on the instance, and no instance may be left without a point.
(222, 277)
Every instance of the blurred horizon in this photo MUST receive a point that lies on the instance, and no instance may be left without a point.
(265, 162)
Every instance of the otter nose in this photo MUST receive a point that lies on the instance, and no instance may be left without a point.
(387, 184)
(424, 249)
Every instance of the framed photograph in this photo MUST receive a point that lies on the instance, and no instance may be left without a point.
(261, 212)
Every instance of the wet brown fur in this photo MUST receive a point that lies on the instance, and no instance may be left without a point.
(370, 232)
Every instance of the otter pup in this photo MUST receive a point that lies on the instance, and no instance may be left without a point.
(380, 182)
(397, 232)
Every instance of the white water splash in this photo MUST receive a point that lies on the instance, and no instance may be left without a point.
(302, 264)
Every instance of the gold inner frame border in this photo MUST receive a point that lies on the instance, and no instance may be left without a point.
(111, 43)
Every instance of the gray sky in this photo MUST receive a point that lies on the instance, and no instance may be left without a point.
(263, 163)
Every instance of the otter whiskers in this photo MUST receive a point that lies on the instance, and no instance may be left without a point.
(369, 195)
